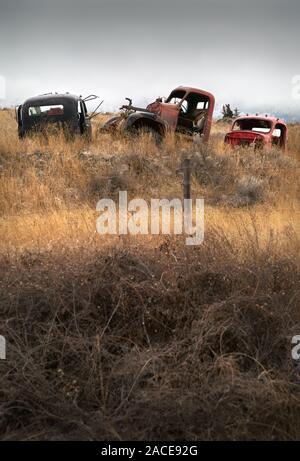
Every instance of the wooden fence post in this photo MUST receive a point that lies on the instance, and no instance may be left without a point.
(186, 166)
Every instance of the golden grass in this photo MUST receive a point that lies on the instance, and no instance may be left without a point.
(49, 188)
(143, 337)
(73, 228)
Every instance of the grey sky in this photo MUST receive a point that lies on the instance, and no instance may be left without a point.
(245, 52)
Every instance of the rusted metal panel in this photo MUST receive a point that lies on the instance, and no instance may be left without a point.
(190, 113)
(258, 131)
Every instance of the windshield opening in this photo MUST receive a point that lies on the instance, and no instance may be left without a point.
(175, 97)
(46, 111)
(252, 124)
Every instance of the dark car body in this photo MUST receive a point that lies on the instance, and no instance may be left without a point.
(186, 110)
(259, 132)
(63, 110)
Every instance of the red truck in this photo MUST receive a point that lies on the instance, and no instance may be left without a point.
(187, 110)
(258, 131)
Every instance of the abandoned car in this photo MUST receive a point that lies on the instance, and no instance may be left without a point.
(186, 110)
(259, 132)
(46, 111)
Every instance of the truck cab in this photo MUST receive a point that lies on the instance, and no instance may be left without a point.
(259, 132)
(186, 110)
(45, 111)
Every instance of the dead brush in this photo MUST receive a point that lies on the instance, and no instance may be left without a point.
(141, 165)
(124, 343)
(210, 168)
(132, 338)
(249, 190)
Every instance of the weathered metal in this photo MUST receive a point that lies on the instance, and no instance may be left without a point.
(259, 132)
(187, 110)
(64, 110)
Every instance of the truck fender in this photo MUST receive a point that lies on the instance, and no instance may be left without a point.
(144, 119)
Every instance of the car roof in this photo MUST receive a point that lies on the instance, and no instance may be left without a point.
(189, 89)
(52, 97)
(270, 118)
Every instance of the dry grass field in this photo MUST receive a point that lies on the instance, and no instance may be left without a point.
(143, 337)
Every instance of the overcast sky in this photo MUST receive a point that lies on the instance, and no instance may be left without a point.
(245, 52)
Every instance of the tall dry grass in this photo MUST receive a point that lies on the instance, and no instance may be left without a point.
(142, 337)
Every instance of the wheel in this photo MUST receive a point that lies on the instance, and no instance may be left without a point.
(153, 134)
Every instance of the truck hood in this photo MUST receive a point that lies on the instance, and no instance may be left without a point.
(244, 138)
